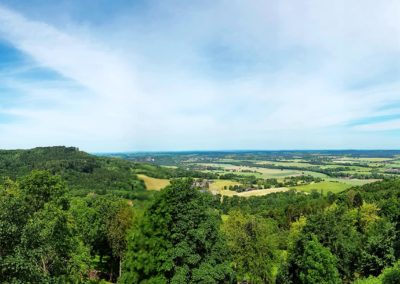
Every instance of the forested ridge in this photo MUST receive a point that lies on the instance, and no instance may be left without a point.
(70, 217)
(82, 172)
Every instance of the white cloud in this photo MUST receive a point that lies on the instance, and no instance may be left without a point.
(97, 110)
(155, 81)
(380, 126)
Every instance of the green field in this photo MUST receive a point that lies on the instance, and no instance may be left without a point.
(323, 187)
(352, 182)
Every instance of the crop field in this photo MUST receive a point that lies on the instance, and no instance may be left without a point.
(257, 192)
(218, 185)
(154, 183)
(261, 192)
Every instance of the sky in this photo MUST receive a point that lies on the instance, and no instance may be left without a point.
(167, 75)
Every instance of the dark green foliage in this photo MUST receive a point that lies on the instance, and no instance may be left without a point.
(284, 207)
(336, 230)
(391, 275)
(103, 222)
(253, 244)
(14, 211)
(315, 264)
(38, 244)
(47, 237)
(361, 241)
(386, 195)
(357, 200)
(309, 262)
(50, 247)
(177, 241)
(82, 172)
(378, 248)
(41, 187)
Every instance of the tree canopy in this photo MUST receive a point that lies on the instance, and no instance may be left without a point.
(177, 241)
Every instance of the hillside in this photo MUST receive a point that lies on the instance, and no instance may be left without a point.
(83, 173)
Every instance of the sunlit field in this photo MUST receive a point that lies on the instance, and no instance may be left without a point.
(154, 183)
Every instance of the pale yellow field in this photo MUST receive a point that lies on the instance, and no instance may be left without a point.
(218, 185)
(154, 183)
(258, 192)
(286, 163)
(375, 159)
(356, 160)
(277, 173)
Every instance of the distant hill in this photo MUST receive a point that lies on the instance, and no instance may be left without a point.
(84, 173)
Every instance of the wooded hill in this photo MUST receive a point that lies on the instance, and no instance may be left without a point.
(83, 173)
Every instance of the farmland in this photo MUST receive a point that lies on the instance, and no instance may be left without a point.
(323, 187)
(154, 183)
(236, 172)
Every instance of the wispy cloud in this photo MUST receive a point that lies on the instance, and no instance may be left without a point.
(212, 74)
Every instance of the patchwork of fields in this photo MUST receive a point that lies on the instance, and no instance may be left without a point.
(259, 173)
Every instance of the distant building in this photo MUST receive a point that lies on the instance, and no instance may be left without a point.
(202, 183)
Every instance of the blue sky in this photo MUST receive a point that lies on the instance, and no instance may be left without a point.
(200, 75)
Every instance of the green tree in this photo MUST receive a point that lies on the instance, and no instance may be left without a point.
(253, 244)
(391, 275)
(14, 214)
(51, 248)
(38, 240)
(177, 241)
(314, 264)
(40, 187)
(117, 230)
(103, 223)
(336, 229)
(357, 200)
(378, 248)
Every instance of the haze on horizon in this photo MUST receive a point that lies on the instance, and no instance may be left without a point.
(168, 75)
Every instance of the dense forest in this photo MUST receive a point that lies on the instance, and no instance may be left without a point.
(70, 217)
(82, 172)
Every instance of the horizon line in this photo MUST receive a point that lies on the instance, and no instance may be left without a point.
(242, 150)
